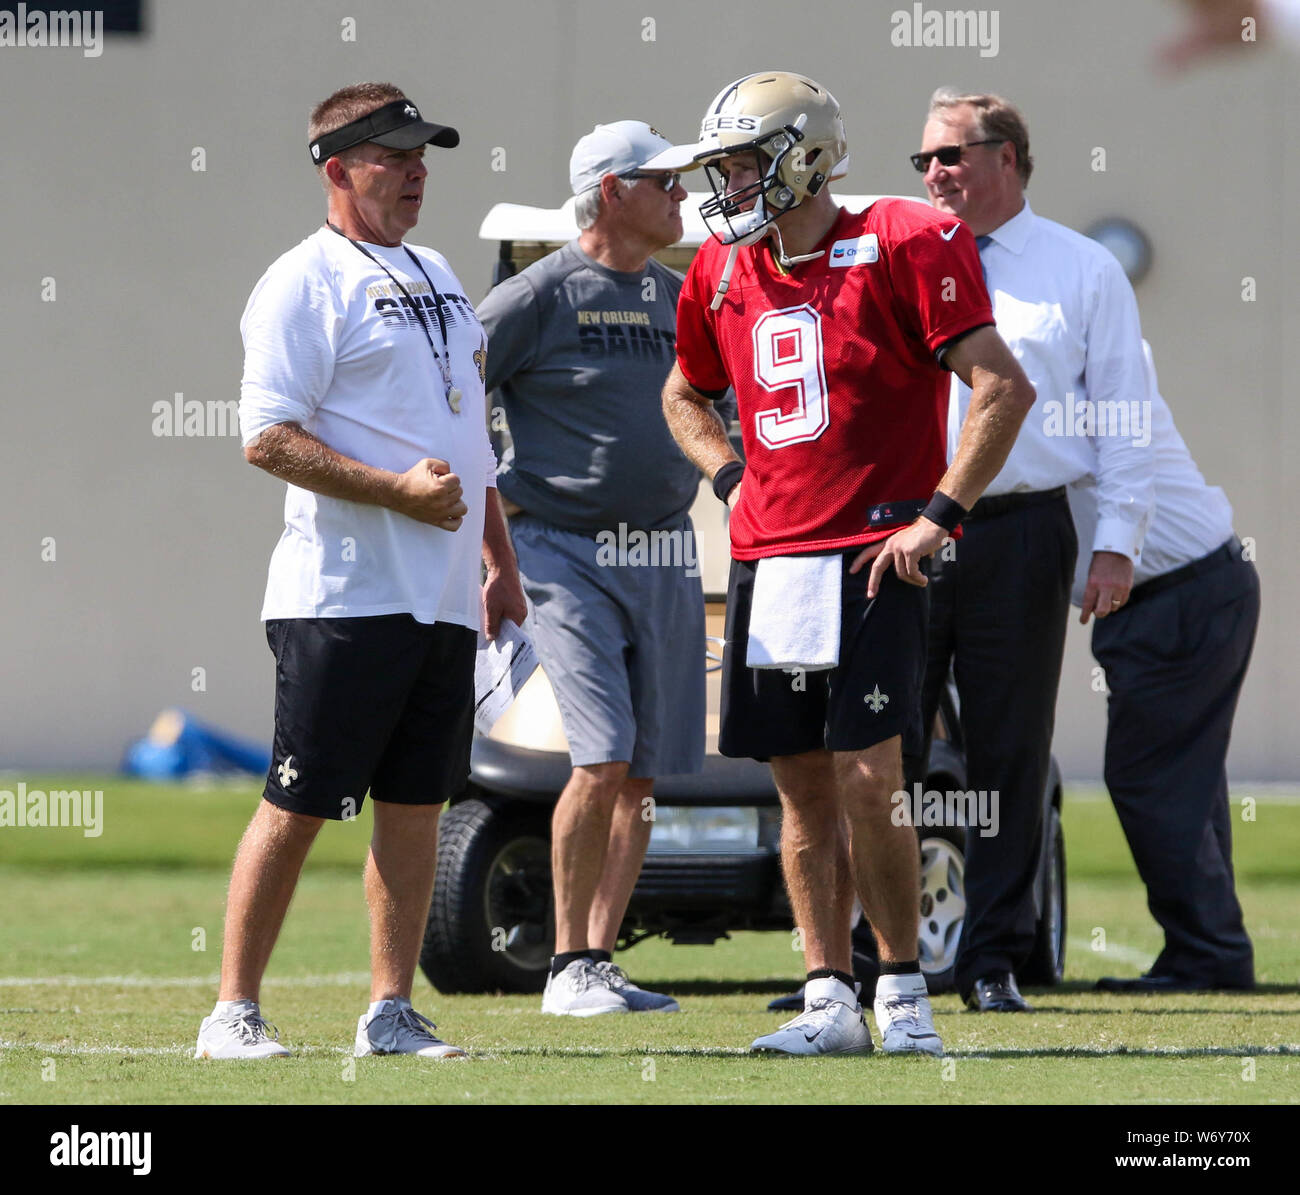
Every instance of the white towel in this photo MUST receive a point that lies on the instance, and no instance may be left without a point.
(794, 620)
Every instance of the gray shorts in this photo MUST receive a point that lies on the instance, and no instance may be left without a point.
(620, 635)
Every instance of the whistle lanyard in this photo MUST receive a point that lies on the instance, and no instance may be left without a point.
(450, 391)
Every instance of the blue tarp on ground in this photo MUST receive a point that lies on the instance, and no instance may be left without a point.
(178, 745)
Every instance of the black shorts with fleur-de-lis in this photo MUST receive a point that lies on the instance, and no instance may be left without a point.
(872, 695)
(383, 704)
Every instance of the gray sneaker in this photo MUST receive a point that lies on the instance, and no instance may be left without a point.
(239, 1033)
(824, 1027)
(396, 1028)
(903, 1016)
(638, 999)
(581, 991)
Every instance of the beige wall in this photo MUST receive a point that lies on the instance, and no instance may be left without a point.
(162, 544)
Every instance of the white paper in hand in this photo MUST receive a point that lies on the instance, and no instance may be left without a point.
(501, 668)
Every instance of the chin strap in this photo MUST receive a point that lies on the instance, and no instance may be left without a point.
(724, 283)
(752, 238)
(787, 262)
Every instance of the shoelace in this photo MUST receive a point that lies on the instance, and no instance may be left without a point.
(585, 977)
(907, 1006)
(614, 975)
(821, 1004)
(415, 1023)
(252, 1028)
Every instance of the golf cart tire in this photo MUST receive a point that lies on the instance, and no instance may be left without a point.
(1046, 964)
(493, 859)
(943, 903)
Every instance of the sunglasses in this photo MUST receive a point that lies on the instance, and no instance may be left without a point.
(667, 182)
(948, 155)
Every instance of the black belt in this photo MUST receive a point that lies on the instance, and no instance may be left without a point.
(1216, 559)
(1000, 504)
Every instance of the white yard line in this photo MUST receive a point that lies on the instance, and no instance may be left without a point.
(340, 980)
(60, 1050)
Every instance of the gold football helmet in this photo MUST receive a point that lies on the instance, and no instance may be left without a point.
(791, 122)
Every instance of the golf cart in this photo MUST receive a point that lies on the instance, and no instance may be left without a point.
(713, 864)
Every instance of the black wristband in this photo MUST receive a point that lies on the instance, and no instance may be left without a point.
(727, 479)
(943, 510)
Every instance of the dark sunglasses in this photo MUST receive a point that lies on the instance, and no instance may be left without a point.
(948, 155)
(666, 181)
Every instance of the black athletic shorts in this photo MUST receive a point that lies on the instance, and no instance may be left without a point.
(874, 693)
(383, 703)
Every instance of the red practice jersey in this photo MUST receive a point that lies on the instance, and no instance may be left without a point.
(843, 404)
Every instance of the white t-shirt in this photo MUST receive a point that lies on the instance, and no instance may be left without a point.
(331, 344)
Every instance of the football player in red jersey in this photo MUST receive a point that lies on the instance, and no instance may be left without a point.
(837, 331)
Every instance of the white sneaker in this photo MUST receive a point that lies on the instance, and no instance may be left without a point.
(637, 999)
(396, 1028)
(903, 1015)
(580, 991)
(238, 1032)
(828, 1025)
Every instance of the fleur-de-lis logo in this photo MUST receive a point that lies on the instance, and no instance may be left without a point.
(876, 700)
(288, 773)
(480, 359)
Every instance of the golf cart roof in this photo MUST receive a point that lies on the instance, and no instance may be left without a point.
(521, 222)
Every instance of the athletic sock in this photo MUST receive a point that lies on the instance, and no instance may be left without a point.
(830, 973)
(600, 956)
(224, 1009)
(911, 967)
(398, 1001)
(560, 961)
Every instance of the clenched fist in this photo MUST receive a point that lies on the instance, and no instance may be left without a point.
(430, 492)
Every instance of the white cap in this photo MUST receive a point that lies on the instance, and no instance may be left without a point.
(613, 149)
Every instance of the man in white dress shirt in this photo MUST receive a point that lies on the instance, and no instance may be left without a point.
(1175, 658)
(1000, 596)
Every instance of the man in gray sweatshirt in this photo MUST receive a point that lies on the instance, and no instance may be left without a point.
(579, 345)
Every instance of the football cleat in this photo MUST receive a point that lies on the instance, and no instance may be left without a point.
(826, 1026)
(903, 1015)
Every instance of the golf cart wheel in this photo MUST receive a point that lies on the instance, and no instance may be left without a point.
(1046, 963)
(491, 922)
(943, 903)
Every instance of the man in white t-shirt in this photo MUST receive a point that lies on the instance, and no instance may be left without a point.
(363, 389)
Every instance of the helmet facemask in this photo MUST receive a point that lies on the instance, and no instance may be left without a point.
(772, 194)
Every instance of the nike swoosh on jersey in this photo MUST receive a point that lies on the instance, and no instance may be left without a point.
(952, 232)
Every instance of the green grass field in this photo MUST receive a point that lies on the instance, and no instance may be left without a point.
(110, 946)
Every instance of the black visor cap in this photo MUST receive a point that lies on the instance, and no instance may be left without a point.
(396, 125)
